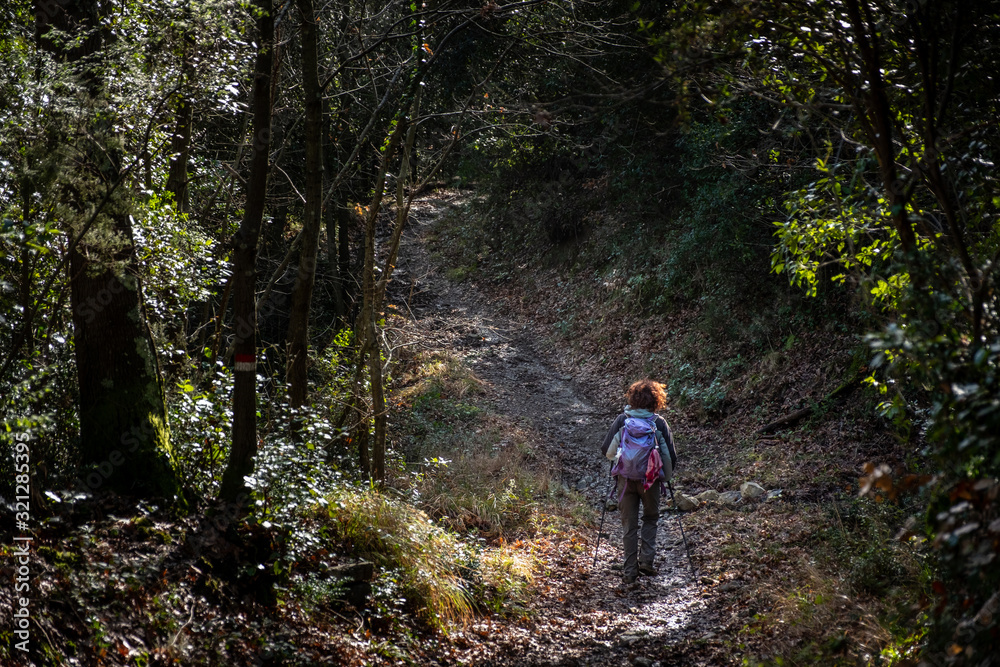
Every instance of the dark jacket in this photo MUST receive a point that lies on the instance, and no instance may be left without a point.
(661, 426)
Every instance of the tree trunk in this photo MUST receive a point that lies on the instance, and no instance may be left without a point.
(378, 405)
(244, 448)
(339, 304)
(375, 359)
(879, 125)
(124, 439)
(298, 327)
(180, 150)
(344, 259)
(365, 326)
(123, 421)
(180, 142)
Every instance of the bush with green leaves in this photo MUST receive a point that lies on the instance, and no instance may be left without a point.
(931, 347)
(200, 428)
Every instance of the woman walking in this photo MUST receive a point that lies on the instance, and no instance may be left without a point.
(642, 447)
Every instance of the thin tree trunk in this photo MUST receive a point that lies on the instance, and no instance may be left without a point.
(375, 348)
(332, 214)
(180, 142)
(296, 373)
(402, 205)
(378, 404)
(180, 150)
(365, 326)
(344, 259)
(244, 447)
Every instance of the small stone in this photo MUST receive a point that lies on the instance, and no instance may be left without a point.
(685, 503)
(640, 661)
(360, 571)
(731, 585)
(708, 496)
(773, 493)
(730, 497)
(752, 490)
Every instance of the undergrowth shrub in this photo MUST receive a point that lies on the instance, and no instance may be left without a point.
(409, 549)
(200, 428)
(424, 568)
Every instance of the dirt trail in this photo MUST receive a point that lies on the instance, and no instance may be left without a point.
(585, 616)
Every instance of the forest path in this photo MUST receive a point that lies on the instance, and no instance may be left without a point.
(584, 615)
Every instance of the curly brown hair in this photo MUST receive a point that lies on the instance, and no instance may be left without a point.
(646, 395)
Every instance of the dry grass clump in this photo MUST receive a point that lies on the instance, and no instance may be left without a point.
(504, 576)
(438, 574)
(400, 538)
(440, 375)
(487, 480)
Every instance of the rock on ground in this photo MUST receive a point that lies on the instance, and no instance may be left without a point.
(685, 503)
(708, 496)
(730, 497)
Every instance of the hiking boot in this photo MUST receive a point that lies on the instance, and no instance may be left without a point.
(629, 579)
(647, 569)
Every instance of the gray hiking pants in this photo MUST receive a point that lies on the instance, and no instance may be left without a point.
(629, 508)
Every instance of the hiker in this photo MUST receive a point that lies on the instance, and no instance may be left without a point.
(640, 444)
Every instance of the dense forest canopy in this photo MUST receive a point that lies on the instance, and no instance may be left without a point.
(203, 205)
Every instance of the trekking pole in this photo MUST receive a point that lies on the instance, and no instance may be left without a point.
(604, 502)
(683, 537)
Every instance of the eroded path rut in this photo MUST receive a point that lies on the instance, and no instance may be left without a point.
(585, 616)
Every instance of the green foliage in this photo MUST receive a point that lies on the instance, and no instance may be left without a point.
(180, 264)
(838, 219)
(913, 223)
(874, 570)
(314, 591)
(933, 349)
(200, 428)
